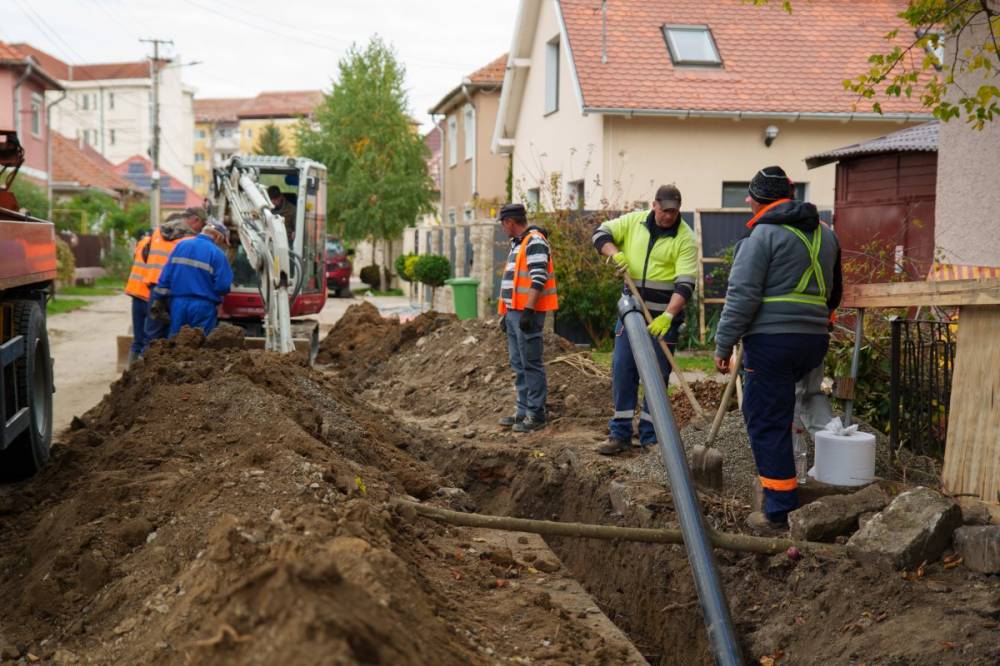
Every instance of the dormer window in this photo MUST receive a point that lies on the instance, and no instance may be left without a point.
(691, 45)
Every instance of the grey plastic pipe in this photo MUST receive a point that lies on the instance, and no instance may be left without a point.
(859, 334)
(714, 605)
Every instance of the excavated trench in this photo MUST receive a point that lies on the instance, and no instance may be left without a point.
(647, 590)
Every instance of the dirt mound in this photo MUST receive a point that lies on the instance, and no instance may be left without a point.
(229, 507)
(363, 338)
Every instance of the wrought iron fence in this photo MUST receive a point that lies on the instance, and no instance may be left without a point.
(923, 359)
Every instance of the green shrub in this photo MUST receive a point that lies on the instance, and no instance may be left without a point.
(118, 262)
(404, 266)
(372, 276)
(65, 262)
(31, 198)
(432, 270)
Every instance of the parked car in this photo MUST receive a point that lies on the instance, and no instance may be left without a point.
(338, 267)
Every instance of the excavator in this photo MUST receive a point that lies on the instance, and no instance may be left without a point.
(278, 271)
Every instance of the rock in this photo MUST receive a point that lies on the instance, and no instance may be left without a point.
(974, 512)
(63, 656)
(620, 497)
(501, 556)
(134, 532)
(833, 515)
(864, 518)
(979, 546)
(571, 401)
(547, 565)
(915, 528)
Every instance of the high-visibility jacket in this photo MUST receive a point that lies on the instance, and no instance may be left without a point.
(137, 280)
(159, 251)
(522, 284)
(196, 269)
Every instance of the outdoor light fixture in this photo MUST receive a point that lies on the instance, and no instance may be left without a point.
(770, 134)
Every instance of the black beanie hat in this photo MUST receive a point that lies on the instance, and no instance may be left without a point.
(514, 210)
(770, 184)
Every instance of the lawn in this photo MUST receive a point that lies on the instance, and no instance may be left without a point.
(103, 286)
(687, 362)
(61, 305)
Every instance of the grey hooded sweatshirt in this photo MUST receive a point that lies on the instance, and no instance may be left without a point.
(767, 293)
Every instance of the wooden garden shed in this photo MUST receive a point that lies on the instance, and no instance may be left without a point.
(884, 203)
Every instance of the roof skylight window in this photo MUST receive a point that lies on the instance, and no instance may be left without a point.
(691, 45)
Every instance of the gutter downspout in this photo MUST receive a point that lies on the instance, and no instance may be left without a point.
(28, 71)
(441, 172)
(475, 148)
(48, 148)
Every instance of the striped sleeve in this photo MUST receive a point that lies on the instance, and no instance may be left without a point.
(537, 257)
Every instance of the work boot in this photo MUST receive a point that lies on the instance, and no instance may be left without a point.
(508, 421)
(613, 446)
(760, 524)
(528, 424)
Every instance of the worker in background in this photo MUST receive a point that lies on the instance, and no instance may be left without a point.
(658, 251)
(285, 208)
(137, 288)
(784, 283)
(195, 279)
(178, 227)
(527, 292)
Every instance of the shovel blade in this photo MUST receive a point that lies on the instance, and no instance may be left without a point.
(706, 468)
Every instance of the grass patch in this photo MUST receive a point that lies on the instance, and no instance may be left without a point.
(103, 286)
(697, 363)
(602, 359)
(62, 305)
(389, 292)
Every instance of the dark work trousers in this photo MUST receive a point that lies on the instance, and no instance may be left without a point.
(625, 384)
(194, 312)
(525, 351)
(773, 364)
(155, 329)
(139, 311)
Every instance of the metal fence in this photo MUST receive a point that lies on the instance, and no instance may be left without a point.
(923, 359)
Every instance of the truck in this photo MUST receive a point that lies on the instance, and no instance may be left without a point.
(27, 274)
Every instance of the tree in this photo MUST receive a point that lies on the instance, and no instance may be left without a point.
(31, 197)
(378, 181)
(971, 28)
(269, 142)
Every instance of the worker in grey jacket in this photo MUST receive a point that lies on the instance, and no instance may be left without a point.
(784, 284)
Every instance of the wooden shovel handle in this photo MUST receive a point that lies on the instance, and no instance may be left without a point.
(666, 351)
(727, 395)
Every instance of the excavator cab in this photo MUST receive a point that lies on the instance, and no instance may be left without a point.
(302, 182)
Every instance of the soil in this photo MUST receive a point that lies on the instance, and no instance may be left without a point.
(228, 506)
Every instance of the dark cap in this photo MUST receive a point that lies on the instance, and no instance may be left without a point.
(515, 210)
(196, 211)
(668, 196)
(770, 184)
(273, 191)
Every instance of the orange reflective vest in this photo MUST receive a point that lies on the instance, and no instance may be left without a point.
(547, 300)
(136, 285)
(159, 251)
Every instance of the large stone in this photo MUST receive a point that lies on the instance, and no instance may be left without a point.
(915, 528)
(979, 547)
(835, 515)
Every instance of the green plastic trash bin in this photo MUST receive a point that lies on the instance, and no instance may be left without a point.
(466, 292)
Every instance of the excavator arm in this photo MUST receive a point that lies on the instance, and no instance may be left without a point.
(265, 241)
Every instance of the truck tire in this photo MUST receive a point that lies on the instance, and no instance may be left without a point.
(33, 376)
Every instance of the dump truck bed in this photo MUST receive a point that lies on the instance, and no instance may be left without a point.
(27, 253)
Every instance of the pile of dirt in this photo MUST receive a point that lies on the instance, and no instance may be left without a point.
(362, 338)
(225, 506)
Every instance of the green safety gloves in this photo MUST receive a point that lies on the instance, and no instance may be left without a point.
(660, 325)
(620, 261)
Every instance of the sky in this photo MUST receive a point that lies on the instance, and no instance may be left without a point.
(248, 46)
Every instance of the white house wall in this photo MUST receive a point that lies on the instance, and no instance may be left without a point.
(563, 142)
(698, 155)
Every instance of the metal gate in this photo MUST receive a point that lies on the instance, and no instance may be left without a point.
(923, 359)
(469, 251)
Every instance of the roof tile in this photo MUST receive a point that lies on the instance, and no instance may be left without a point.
(85, 166)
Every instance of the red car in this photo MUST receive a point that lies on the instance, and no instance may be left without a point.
(338, 267)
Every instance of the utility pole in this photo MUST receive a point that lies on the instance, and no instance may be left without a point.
(154, 148)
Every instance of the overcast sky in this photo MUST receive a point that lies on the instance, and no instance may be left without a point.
(246, 46)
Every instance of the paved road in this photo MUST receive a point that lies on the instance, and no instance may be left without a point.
(84, 347)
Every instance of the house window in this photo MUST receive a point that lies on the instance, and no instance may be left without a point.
(200, 134)
(452, 141)
(249, 133)
(574, 192)
(199, 181)
(532, 197)
(85, 103)
(451, 216)
(467, 214)
(111, 101)
(199, 157)
(691, 45)
(111, 137)
(734, 194)
(469, 125)
(552, 76)
(36, 115)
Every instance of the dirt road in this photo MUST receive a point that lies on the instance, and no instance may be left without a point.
(84, 353)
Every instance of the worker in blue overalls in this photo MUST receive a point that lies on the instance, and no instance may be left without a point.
(195, 279)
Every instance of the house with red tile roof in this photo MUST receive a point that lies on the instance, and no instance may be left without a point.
(618, 97)
(284, 108)
(473, 179)
(78, 167)
(216, 136)
(108, 107)
(174, 194)
(23, 84)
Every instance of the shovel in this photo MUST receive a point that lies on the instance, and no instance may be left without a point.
(706, 461)
(700, 419)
